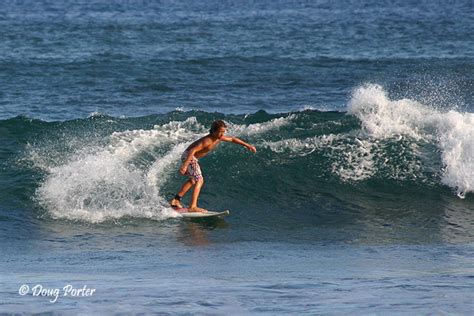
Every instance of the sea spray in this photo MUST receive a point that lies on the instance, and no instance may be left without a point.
(456, 140)
(452, 132)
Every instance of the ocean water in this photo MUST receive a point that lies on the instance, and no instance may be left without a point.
(359, 200)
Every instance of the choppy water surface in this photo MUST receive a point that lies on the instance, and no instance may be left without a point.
(358, 200)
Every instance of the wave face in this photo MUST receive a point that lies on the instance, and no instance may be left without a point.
(104, 168)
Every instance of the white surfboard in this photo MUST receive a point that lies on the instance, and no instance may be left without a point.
(209, 214)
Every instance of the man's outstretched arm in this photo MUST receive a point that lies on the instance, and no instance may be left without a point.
(238, 141)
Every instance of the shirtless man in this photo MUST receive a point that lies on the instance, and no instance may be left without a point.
(191, 168)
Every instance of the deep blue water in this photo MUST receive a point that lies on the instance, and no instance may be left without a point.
(64, 60)
(359, 199)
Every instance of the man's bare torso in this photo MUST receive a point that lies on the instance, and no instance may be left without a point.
(207, 142)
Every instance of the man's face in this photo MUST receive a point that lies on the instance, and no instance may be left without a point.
(220, 132)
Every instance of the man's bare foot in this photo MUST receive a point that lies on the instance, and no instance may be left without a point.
(175, 204)
(197, 209)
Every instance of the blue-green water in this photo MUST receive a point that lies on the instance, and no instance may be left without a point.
(359, 199)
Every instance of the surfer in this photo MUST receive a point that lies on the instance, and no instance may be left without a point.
(191, 168)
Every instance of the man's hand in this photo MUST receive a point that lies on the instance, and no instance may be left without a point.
(182, 170)
(252, 149)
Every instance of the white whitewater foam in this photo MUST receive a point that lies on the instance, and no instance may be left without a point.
(456, 139)
(452, 132)
(351, 158)
(100, 184)
(356, 161)
(260, 128)
(384, 118)
(302, 147)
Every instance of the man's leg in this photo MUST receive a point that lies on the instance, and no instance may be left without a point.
(197, 189)
(184, 188)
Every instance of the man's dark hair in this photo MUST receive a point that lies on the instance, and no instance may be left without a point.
(216, 125)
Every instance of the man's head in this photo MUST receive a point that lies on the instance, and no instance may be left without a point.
(218, 128)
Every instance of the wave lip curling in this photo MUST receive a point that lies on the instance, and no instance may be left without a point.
(452, 132)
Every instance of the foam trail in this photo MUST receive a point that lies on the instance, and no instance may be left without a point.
(303, 147)
(160, 170)
(351, 159)
(260, 128)
(100, 184)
